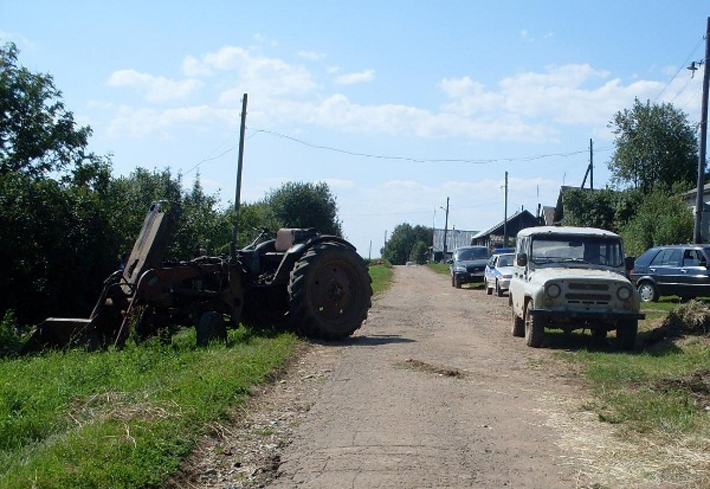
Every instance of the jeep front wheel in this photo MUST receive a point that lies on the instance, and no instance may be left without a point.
(534, 327)
(626, 332)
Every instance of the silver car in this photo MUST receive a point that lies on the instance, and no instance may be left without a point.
(498, 273)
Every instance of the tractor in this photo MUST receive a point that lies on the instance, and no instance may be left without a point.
(312, 283)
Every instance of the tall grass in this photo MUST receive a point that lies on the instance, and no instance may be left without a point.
(126, 418)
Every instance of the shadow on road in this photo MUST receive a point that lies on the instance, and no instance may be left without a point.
(372, 340)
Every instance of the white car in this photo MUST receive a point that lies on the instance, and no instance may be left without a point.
(498, 273)
(570, 278)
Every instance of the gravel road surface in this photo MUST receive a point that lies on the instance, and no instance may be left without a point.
(432, 392)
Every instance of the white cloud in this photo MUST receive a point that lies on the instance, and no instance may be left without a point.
(568, 94)
(310, 56)
(142, 123)
(530, 106)
(352, 78)
(155, 88)
(256, 73)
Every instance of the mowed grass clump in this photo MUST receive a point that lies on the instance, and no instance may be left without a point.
(123, 419)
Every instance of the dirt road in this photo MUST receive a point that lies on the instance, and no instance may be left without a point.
(432, 392)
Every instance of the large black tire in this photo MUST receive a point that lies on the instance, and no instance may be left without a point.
(499, 291)
(489, 290)
(534, 327)
(626, 332)
(329, 292)
(457, 283)
(518, 328)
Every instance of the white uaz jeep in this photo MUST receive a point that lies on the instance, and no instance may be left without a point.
(569, 278)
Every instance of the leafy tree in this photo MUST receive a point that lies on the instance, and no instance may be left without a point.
(655, 146)
(57, 247)
(590, 208)
(302, 205)
(663, 218)
(37, 134)
(419, 253)
(404, 239)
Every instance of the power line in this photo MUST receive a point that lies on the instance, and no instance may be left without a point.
(419, 160)
(692, 54)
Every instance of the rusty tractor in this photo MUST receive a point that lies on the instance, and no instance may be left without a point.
(315, 284)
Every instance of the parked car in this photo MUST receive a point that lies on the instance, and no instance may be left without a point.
(468, 264)
(680, 270)
(570, 278)
(498, 272)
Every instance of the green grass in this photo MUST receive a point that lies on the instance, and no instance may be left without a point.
(127, 418)
(442, 268)
(660, 391)
(381, 274)
(123, 419)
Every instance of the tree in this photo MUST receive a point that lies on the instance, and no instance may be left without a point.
(662, 218)
(404, 241)
(655, 146)
(303, 205)
(37, 134)
(419, 253)
(589, 208)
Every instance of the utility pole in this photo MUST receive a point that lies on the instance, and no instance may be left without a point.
(505, 220)
(699, 201)
(238, 190)
(446, 224)
(590, 168)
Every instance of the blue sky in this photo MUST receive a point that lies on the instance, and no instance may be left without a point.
(397, 105)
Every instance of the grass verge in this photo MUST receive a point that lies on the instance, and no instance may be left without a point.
(123, 419)
(126, 418)
(656, 399)
(381, 274)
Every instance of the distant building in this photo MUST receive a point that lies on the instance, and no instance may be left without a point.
(454, 239)
(494, 237)
(690, 197)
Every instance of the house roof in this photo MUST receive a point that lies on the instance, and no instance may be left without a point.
(499, 226)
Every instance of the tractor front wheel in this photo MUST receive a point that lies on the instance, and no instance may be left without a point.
(329, 292)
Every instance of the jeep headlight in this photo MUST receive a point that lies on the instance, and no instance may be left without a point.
(623, 293)
(553, 290)
(460, 268)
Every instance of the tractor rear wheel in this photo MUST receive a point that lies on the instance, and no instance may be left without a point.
(329, 292)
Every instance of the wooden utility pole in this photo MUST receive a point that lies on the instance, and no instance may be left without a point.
(505, 211)
(699, 201)
(446, 224)
(590, 168)
(238, 190)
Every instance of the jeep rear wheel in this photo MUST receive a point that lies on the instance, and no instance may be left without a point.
(534, 327)
(329, 292)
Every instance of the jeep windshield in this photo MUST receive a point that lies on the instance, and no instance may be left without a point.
(570, 249)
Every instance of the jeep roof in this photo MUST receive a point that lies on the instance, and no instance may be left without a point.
(567, 230)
